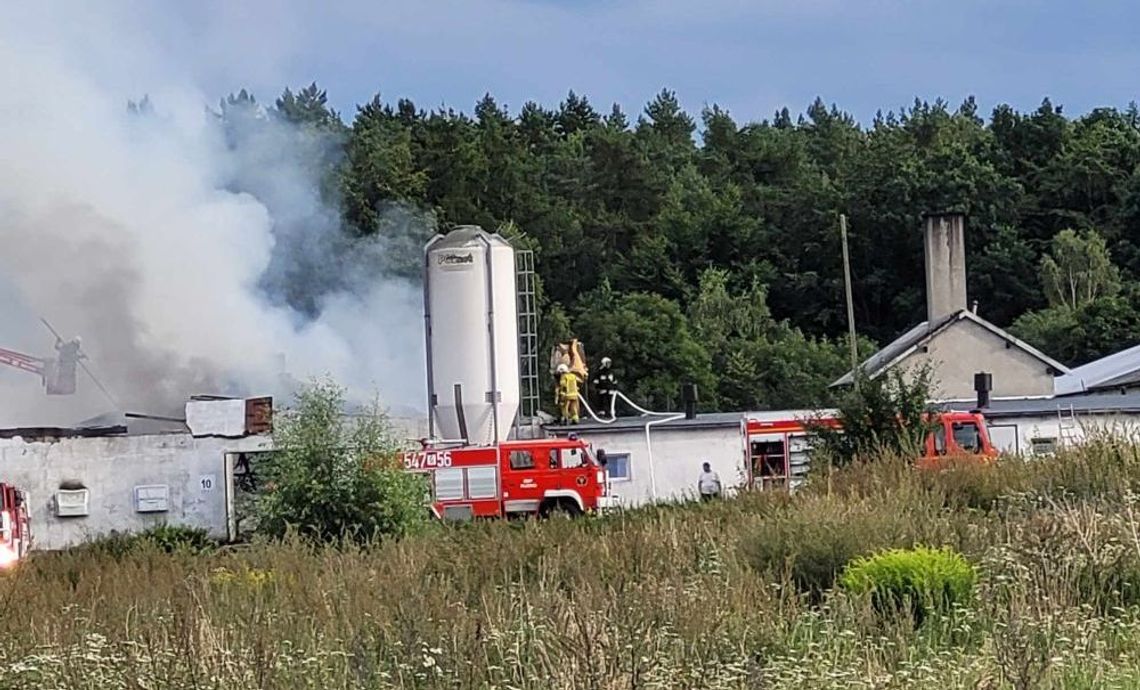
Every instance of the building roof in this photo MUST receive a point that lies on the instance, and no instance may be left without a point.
(1114, 371)
(712, 420)
(909, 342)
(1084, 403)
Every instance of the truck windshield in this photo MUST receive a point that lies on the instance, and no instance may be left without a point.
(967, 436)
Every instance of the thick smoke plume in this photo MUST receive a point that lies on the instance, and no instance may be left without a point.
(193, 253)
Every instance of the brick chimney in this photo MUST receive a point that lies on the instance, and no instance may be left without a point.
(944, 239)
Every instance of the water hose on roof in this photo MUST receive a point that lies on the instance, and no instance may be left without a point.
(613, 405)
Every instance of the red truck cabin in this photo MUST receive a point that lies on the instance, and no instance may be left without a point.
(528, 477)
(778, 450)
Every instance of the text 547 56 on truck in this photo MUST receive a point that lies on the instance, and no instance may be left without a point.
(513, 478)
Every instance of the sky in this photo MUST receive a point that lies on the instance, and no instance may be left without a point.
(749, 57)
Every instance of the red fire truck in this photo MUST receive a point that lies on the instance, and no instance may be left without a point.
(15, 535)
(514, 478)
(779, 448)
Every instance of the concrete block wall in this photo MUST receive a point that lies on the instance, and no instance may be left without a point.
(194, 469)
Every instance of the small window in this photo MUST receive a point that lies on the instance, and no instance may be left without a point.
(967, 436)
(522, 460)
(449, 484)
(553, 455)
(482, 482)
(572, 458)
(1043, 445)
(617, 466)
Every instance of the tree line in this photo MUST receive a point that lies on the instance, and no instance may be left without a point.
(702, 248)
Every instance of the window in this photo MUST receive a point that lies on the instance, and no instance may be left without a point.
(940, 440)
(617, 466)
(553, 458)
(1043, 445)
(482, 482)
(449, 484)
(571, 458)
(522, 460)
(967, 436)
(768, 459)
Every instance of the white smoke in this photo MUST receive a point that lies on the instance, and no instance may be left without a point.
(188, 261)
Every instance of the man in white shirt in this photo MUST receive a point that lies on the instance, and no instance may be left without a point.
(708, 484)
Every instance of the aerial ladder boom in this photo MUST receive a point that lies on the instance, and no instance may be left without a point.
(57, 375)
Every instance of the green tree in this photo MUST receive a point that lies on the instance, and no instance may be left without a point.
(1078, 269)
(333, 478)
(652, 346)
(888, 414)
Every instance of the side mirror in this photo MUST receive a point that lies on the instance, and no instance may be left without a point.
(602, 457)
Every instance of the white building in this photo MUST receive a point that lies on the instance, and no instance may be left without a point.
(658, 459)
(127, 476)
(1036, 426)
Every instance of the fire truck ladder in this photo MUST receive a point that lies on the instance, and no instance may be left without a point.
(528, 334)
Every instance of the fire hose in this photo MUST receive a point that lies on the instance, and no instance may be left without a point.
(663, 418)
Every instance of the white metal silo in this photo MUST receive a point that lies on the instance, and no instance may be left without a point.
(471, 327)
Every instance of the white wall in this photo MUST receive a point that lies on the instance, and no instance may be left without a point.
(1015, 435)
(677, 457)
(110, 468)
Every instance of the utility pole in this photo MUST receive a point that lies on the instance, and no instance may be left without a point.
(850, 304)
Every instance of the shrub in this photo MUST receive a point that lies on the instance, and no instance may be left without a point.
(810, 544)
(920, 580)
(166, 538)
(331, 480)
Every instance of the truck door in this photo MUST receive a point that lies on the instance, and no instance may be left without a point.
(524, 476)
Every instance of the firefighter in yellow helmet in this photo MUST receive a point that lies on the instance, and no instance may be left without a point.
(568, 394)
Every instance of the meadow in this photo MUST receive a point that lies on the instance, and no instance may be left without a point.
(732, 594)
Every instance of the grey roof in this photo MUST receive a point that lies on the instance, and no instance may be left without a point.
(924, 332)
(712, 420)
(1085, 403)
(1114, 371)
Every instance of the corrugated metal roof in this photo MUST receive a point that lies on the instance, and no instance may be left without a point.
(1113, 371)
(901, 347)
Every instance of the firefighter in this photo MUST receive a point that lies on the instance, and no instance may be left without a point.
(606, 385)
(568, 394)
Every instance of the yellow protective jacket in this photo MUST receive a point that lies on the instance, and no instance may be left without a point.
(568, 386)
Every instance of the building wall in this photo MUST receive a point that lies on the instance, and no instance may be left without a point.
(1017, 434)
(965, 348)
(677, 456)
(110, 468)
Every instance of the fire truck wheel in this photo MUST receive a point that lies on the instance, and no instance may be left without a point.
(561, 507)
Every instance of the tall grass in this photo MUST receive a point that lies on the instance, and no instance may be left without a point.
(730, 594)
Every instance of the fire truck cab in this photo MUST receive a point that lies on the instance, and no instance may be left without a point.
(514, 478)
(15, 535)
(779, 449)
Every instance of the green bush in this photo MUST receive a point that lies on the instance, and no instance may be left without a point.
(811, 544)
(171, 538)
(331, 479)
(166, 538)
(921, 580)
